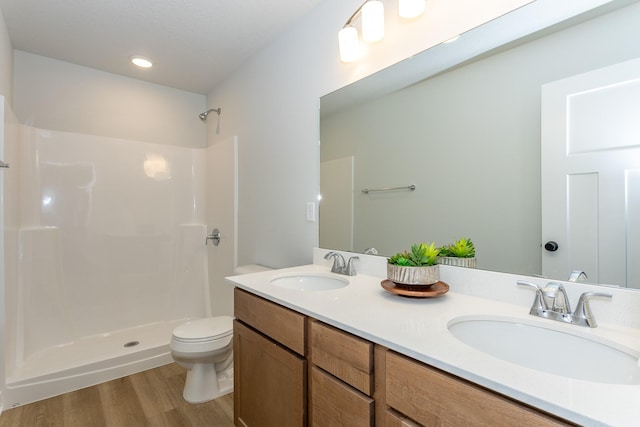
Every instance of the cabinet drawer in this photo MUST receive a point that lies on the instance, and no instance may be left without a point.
(333, 403)
(343, 355)
(277, 322)
(432, 397)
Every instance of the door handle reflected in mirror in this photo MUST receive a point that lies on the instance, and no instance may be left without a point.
(551, 246)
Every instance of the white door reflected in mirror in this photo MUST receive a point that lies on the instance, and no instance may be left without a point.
(590, 131)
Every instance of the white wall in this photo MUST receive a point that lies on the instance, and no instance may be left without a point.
(272, 103)
(57, 95)
(6, 63)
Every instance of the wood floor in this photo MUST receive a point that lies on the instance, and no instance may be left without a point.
(152, 398)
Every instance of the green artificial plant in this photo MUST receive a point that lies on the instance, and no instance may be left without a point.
(421, 255)
(462, 248)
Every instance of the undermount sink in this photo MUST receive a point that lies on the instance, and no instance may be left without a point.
(549, 350)
(309, 281)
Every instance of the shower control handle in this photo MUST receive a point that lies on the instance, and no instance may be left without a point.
(214, 237)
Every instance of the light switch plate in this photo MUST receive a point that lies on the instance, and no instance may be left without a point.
(311, 211)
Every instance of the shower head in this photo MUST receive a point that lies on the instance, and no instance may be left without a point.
(203, 116)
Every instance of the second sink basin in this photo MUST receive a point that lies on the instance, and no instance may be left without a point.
(549, 350)
(309, 281)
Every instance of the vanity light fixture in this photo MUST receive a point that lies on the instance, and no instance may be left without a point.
(372, 21)
(410, 8)
(372, 14)
(141, 61)
(349, 44)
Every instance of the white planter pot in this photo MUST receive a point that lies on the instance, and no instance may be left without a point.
(427, 275)
(458, 262)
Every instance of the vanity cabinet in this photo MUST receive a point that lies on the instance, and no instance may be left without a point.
(293, 370)
(269, 366)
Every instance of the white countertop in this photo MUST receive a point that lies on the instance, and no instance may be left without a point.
(418, 328)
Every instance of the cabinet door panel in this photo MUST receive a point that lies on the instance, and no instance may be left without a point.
(345, 356)
(270, 382)
(333, 403)
(432, 397)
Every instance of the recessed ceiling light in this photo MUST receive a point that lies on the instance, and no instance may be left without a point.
(141, 61)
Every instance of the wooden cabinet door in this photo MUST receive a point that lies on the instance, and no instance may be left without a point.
(334, 403)
(434, 398)
(270, 382)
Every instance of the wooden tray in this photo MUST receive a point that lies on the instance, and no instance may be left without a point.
(435, 290)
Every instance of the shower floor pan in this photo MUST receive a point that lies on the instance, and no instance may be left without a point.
(89, 361)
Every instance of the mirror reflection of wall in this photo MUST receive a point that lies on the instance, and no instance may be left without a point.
(469, 139)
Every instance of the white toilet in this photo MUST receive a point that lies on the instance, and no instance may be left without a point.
(205, 348)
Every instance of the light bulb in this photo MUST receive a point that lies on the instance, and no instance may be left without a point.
(349, 44)
(410, 8)
(373, 21)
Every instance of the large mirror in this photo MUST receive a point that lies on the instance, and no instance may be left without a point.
(468, 139)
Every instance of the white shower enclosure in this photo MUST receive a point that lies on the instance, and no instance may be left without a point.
(110, 241)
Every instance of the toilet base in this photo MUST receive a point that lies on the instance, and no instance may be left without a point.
(203, 383)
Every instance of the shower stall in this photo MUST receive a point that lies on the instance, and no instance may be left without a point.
(104, 256)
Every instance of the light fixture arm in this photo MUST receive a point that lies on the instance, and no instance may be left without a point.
(372, 14)
(358, 10)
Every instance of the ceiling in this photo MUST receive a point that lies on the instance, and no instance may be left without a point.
(194, 44)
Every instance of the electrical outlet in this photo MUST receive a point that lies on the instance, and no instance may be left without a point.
(311, 211)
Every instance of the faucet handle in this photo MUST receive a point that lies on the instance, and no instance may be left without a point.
(539, 304)
(525, 283)
(583, 310)
(338, 262)
(351, 269)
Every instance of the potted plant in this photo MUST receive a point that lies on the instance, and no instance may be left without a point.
(417, 267)
(461, 253)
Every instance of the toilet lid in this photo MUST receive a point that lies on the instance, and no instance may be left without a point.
(204, 329)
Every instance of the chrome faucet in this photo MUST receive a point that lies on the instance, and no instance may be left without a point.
(340, 266)
(560, 309)
(576, 275)
(553, 291)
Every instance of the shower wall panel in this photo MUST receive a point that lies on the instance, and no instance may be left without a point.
(112, 236)
(9, 204)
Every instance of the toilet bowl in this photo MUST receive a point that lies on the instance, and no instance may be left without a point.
(205, 348)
